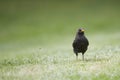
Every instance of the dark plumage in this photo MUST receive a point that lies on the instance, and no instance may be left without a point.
(80, 44)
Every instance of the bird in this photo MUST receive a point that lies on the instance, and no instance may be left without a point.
(80, 43)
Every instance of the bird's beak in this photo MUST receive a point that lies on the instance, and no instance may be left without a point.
(82, 30)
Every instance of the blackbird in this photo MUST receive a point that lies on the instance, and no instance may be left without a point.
(80, 44)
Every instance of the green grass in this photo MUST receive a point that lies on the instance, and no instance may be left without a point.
(61, 64)
(36, 40)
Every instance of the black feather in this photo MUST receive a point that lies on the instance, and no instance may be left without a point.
(80, 44)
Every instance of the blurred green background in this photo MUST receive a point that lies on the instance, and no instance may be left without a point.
(26, 24)
(36, 39)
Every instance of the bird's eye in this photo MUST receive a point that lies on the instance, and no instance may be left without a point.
(79, 30)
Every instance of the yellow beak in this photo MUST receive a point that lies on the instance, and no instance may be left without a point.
(82, 30)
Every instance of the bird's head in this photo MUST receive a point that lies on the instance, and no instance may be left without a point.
(81, 31)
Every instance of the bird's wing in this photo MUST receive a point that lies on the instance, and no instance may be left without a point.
(74, 43)
(87, 41)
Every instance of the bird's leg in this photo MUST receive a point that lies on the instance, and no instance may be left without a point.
(76, 56)
(83, 56)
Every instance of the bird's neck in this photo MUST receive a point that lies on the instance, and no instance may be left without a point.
(81, 34)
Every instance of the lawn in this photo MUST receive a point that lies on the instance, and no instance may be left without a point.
(36, 40)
